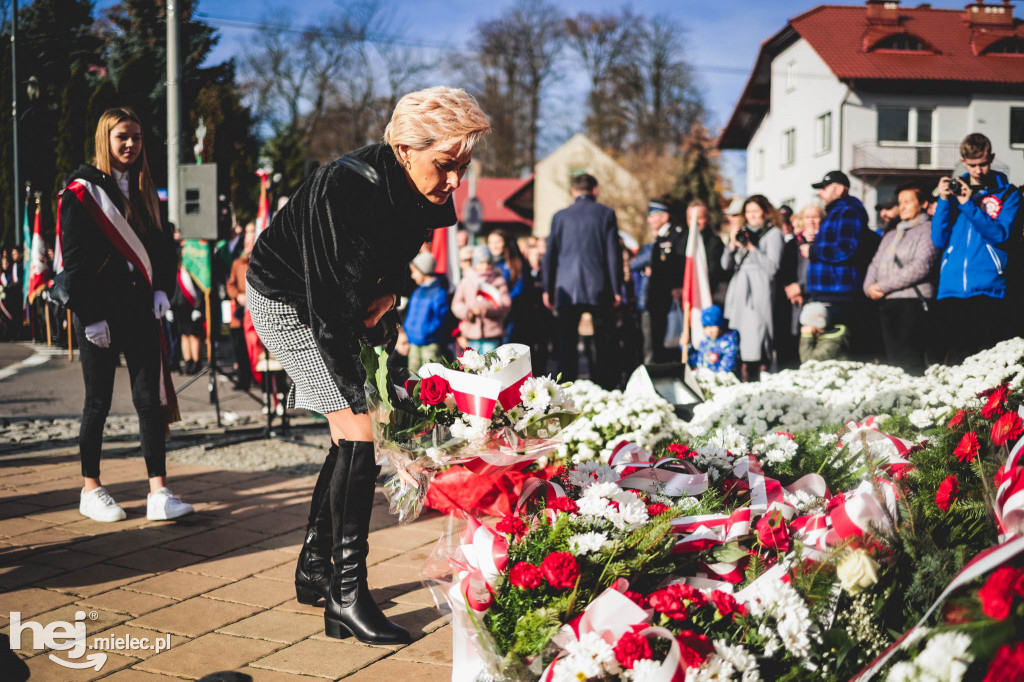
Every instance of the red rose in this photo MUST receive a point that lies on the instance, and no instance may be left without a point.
(526, 576)
(772, 531)
(631, 648)
(956, 420)
(1007, 428)
(564, 504)
(994, 406)
(967, 449)
(657, 508)
(948, 490)
(433, 390)
(727, 604)
(561, 569)
(694, 648)
(997, 594)
(512, 525)
(1007, 664)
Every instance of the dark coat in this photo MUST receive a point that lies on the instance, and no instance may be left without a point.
(99, 284)
(583, 263)
(338, 244)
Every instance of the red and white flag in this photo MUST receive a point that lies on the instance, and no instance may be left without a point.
(263, 211)
(696, 285)
(38, 266)
(486, 291)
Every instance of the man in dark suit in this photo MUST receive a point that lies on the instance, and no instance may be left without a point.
(583, 273)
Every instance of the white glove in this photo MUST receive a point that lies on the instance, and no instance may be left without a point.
(98, 333)
(197, 315)
(160, 304)
(169, 316)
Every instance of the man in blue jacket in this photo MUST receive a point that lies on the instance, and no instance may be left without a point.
(582, 273)
(973, 220)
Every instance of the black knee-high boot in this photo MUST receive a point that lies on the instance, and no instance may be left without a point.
(313, 571)
(351, 609)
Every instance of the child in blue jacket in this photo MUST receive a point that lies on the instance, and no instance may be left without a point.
(974, 217)
(427, 312)
(718, 350)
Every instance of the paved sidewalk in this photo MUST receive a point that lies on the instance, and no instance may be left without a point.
(219, 582)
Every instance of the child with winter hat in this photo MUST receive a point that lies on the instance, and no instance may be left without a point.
(717, 351)
(482, 302)
(819, 341)
(426, 314)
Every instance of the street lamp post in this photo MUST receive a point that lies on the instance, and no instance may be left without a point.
(16, 225)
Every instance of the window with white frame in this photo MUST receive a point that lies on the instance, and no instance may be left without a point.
(905, 124)
(791, 76)
(759, 165)
(789, 147)
(823, 133)
(1017, 127)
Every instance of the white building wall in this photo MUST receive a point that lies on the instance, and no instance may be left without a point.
(803, 88)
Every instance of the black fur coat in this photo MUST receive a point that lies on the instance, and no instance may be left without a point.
(339, 243)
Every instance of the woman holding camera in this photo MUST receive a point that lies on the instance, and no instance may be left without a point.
(753, 256)
(119, 262)
(332, 264)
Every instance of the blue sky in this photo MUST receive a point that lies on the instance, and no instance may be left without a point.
(722, 42)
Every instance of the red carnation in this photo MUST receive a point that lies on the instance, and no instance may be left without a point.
(681, 451)
(657, 508)
(1007, 664)
(1007, 428)
(512, 525)
(727, 604)
(561, 569)
(631, 648)
(526, 576)
(997, 594)
(967, 449)
(694, 648)
(772, 531)
(996, 399)
(837, 500)
(563, 504)
(787, 435)
(956, 420)
(628, 471)
(636, 597)
(433, 390)
(674, 600)
(948, 490)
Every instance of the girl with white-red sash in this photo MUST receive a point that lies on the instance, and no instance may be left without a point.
(119, 264)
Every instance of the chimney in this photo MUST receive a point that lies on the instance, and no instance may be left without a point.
(884, 12)
(980, 15)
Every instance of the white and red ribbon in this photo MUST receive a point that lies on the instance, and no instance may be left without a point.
(187, 286)
(108, 218)
(478, 395)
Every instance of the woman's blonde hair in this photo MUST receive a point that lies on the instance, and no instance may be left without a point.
(142, 208)
(440, 116)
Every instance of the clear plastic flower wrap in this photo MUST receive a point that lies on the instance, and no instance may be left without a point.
(491, 414)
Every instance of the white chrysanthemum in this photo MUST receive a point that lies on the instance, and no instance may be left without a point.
(589, 656)
(472, 361)
(629, 516)
(607, 489)
(593, 506)
(535, 393)
(946, 656)
(741, 659)
(911, 641)
(645, 670)
(507, 354)
(904, 671)
(585, 543)
(714, 669)
(828, 439)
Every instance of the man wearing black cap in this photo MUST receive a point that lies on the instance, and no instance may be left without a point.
(837, 255)
(668, 260)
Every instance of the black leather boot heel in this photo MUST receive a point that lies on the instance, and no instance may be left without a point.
(350, 608)
(313, 570)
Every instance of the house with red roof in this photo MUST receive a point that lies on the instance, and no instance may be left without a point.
(505, 203)
(883, 92)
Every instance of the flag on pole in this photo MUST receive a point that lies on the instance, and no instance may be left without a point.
(263, 212)
(26, 245)
(696, 288)
(38, 268)
(439, 249)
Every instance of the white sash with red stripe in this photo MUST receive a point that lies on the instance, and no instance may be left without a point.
(187, 286)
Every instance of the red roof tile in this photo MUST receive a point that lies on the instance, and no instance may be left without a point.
(838, 33)
(493, 192)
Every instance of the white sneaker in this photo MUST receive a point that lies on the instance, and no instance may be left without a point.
(98, 505)
(163, 505)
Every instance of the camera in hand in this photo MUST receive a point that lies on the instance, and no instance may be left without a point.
(746, 236)
(954, 187)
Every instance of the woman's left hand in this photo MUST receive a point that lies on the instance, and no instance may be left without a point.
(380, 305)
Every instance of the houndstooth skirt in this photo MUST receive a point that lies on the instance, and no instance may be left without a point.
(291, 343)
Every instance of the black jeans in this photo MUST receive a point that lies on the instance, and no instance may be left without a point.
(971, 325)
(604, 364)
(136, 337)
(905, 333)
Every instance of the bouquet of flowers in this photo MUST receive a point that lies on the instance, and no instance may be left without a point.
(487, 411)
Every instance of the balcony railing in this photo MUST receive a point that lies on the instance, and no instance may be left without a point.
(904, 156)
